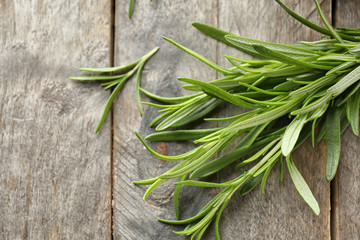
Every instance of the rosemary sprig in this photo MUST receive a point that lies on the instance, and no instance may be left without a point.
(118, 80)
(291, 90)
(314, 83)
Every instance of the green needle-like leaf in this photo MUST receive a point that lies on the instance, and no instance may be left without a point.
(318, 112)
(355, 50)
(250, 184)
(301, 186)
(152, 188)
(109, 104)
(199, 113)
(271, 54)
(125, 68)
(313, 86)
(338, 57)
(352, 112)
(286, 71)
(247, 45)
(218, 92)
(349, 93)
(327, 24)
(131, 8)
(341, 67)
(333, 144)
(264, 178)
(281, 169)
(97, 78)
(313, 106)
(249, 139)
(199, 215)
(213, 32)
(311, 24)
(265, 117)
(164, 157)
(291, 134)
(137, 88)
(225, 160)
(176, 196)
(194, 164)
(203, 184)
(217, 220)
(180, 135)
(202, 58)
(169, 100)
(182, 112)
(345, 82)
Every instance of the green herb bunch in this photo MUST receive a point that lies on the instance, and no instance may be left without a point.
(291, 90)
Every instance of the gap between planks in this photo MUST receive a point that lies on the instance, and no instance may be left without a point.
(112, 172)
(334, 210)
(334, 184)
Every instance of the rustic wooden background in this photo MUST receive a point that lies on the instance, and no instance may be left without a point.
(59, 180)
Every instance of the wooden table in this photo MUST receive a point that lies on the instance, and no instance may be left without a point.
(59, 180)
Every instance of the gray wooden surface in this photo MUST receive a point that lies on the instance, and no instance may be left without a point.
(58, 180)
(55, 172)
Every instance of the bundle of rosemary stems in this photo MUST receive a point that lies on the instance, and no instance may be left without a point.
(291, 90)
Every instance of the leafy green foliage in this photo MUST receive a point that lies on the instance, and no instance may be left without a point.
(290, 91)
(310, 82)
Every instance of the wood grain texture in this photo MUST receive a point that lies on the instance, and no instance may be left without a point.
(55, 172)
(348, 176)
(133, 218)
(280, 212)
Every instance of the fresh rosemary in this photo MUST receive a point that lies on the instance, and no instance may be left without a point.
(291, 90)
(315, 84)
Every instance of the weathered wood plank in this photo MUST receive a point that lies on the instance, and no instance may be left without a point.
(133, 218)
(55, 172)
(279, 213)
(348, 177)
